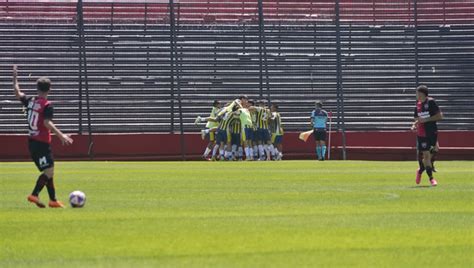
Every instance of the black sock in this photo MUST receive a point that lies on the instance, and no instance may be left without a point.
(40, 183)
(420, 163)
(429, 171)
(433, 155)
(51, 190)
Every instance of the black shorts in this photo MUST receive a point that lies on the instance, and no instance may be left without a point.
(41, 154)
(319, 134)
(426, 143)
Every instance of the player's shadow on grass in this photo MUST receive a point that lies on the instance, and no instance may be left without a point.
(420, 186)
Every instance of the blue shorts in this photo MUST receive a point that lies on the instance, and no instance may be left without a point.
(277, 139)
(247, 134)
(263, 135)
(236, 139)
(255, 136)
(221, 136)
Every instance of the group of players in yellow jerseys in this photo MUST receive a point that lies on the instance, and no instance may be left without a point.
(243, 129)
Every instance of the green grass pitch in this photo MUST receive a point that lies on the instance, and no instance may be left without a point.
(241, 214)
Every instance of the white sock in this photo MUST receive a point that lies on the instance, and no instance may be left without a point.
(206, 152)
(228, 154)
(271, 150)
(255, 151)
(240, 152)
(247, 152)
(221, 152)
(214, 150)
(234, 149)
(261, 151)
(251, 153)
(267, 151)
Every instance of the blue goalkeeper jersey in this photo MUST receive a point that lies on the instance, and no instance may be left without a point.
(319, 119)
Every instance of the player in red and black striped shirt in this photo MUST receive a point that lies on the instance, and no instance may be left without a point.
(427, 113)
(40, 124)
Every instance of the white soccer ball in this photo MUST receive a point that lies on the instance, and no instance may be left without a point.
(77, 199)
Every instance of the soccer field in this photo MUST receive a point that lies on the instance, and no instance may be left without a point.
(234, 214)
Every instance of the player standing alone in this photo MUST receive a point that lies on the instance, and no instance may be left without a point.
(319, 118)
(40, 115)
(427, 113)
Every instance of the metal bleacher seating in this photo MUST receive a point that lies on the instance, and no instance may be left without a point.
(218, 57)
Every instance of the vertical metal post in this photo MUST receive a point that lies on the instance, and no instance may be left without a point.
(83, 71)
(112, 38)
(415, 44)
(214, 52)
(172, 62)
(148, 44)
(175, 74)
(340, 88)
(79, 47)
(178, 62)
(415, 36)
(263, 59)
(260, 46)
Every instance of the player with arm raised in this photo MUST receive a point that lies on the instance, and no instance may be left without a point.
(40, 115)
(426, 114)
(211, 127)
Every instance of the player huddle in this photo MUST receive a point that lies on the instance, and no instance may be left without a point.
(243, 129)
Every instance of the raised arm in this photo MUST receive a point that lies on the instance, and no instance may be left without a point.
(252, 109)
(16, 86)
(209, 119)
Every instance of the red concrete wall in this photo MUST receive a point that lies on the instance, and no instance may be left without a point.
(373, 145)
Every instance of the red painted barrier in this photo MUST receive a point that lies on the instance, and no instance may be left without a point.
(371, 145)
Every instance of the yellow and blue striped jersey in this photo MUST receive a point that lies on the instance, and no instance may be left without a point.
(276, 126)
(235, 126)
(253, 114)
(224, 123)
(262, 118)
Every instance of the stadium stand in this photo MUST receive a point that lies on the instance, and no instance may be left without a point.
(221, 53)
